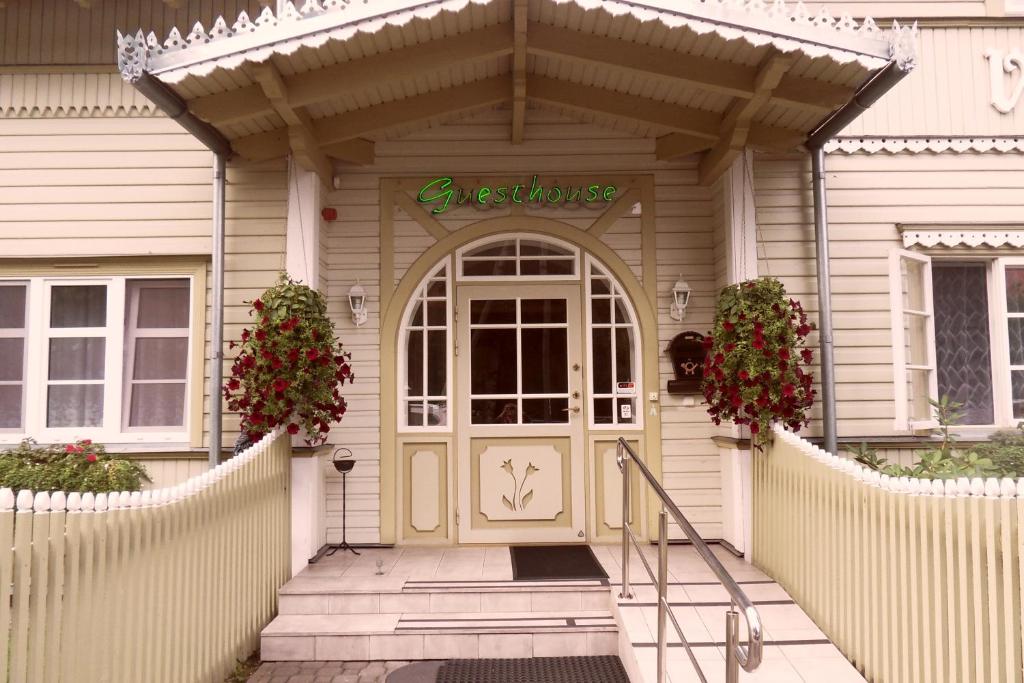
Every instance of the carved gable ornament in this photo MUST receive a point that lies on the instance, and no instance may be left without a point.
(1006, 69)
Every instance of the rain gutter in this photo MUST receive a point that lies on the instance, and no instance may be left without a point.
(866, 96)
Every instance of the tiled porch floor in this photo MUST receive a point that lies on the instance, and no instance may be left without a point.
(796, 650)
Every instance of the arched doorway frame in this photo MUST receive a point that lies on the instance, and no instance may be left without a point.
(391, 323)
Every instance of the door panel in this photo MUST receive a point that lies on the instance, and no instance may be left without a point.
(519, 383)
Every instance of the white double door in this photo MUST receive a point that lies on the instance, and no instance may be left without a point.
(519, 383)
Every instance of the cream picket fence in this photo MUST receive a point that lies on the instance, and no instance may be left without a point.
(168, 585)
(914, 580)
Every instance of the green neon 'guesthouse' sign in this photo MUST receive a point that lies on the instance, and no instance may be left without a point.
(441, 193)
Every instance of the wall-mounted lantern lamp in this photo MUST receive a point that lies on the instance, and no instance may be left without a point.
(680, 299)
(357, 302)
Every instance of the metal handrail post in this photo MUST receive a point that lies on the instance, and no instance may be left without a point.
(732, 641)
(662, 594)
(623, 459)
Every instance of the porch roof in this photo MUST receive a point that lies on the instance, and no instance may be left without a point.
(328, 79)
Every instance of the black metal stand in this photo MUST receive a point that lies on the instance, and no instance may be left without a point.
(335, 547)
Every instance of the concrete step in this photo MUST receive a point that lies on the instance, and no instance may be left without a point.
(387, 595)
(429, 635)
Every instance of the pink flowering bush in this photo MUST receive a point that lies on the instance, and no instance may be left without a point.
(290, 366)
(755, 369)
(80, 466)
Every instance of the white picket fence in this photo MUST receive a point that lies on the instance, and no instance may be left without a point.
(914, 580)
(168, 585)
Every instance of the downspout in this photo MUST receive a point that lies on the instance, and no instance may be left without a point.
(174, 107)
(866, 96)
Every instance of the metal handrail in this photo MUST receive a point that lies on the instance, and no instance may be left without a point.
(736, 655)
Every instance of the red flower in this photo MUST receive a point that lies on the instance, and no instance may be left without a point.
(728, 326)
(276, 363)
(293, 428)
(758, 343)
(788, 389)
(280, 385)
(803, 330)
(754, 428)
(91, 458)
(312, 354)
(719, 358)
(245, 335)
(86, 442)
(258, 304)
(316, 334)
(730, 347)
(293, 355)
(784, 353)
(807, 355)
(71, 448)
(744, 375)
(261, 335)
(234, 384)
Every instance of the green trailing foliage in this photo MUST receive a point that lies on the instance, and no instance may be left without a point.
(80, 466)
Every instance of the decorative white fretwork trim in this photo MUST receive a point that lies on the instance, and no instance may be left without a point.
(1003, 64)
(913, 237)
(786, 27)
(916, 145)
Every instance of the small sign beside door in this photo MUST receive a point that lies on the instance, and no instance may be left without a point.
(626, 388)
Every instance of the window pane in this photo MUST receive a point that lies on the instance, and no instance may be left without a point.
(918, 390)
(437, 413)
(502, 248)
(417, 315)
(162, 306)
(12, 306)
(493, 312)
(74, 405)
(913, 284)
(601, 311)
(1017, 378)
(437, 313)
(12, 358)
(1016, 329)
(485, 411)
(546, 363)
(10, 406)
(547, 267)
(157, 405)
(77, 357)
(414, 413)
(157, 358)
(599, 285)
(962, 346)
(621, 315)
(625, 410)
(537, 248)
(437, 372)
(78, 306)
(916, 327)
(545, 410)
(488, 268)
(539, 311)
(1015, 290)
(623, 355)
(436, 288)
(603, 411)
(602, 349)
(414, 363)
(493, 354)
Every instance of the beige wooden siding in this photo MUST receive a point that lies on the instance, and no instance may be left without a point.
(949, 93)
(909, 9)
(99, 187)
(171, 471)
(553, 145)
(868, 196)
(34, 32)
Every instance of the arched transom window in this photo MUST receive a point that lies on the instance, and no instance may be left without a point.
(521, 256)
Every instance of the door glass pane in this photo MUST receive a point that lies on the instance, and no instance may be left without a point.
(414, 413)
(603, 411)
(10, 406)
(962, 345)
(74, 405)
(1015, 290)
(601, 311)
(78, 306)
(494, 411)
(623, 355)
(12, 306)
(77, 357)
(539, 311)
(437, 371)
(625, 408)
(602, 350)
(493, 361)
(157, 405)
(545, 362)
(437, 413)
(157, 358)
(414, 363)
(599, 286)
(162, 306)
(493, 312)
(545, 410)
(12, 358)
(437, 313)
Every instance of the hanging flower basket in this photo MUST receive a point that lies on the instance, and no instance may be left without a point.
(755, 369)
(290, 366)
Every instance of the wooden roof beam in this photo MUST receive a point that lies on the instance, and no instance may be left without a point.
(357, 75)
(519, 15)
(737, 124)
(330, 132)
(713, 75)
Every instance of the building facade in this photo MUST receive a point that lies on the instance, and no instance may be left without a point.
(518, 187)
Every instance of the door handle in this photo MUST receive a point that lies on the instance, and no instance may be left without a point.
(574, 409)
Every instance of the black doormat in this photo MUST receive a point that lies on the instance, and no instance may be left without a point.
(554, 563)
(604, 669)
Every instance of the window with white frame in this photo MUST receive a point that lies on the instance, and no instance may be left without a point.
(614, 352)
(967, 316)
(95, 357)
(518, 257)
(426, 366)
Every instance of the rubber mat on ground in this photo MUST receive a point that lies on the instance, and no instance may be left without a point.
(604, 669)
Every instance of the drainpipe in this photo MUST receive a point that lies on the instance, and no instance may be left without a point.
(175, 108)
(866, 96)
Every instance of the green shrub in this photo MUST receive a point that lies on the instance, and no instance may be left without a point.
(1006, 451)
(80, 466)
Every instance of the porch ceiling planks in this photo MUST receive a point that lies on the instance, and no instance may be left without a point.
(519, 18)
